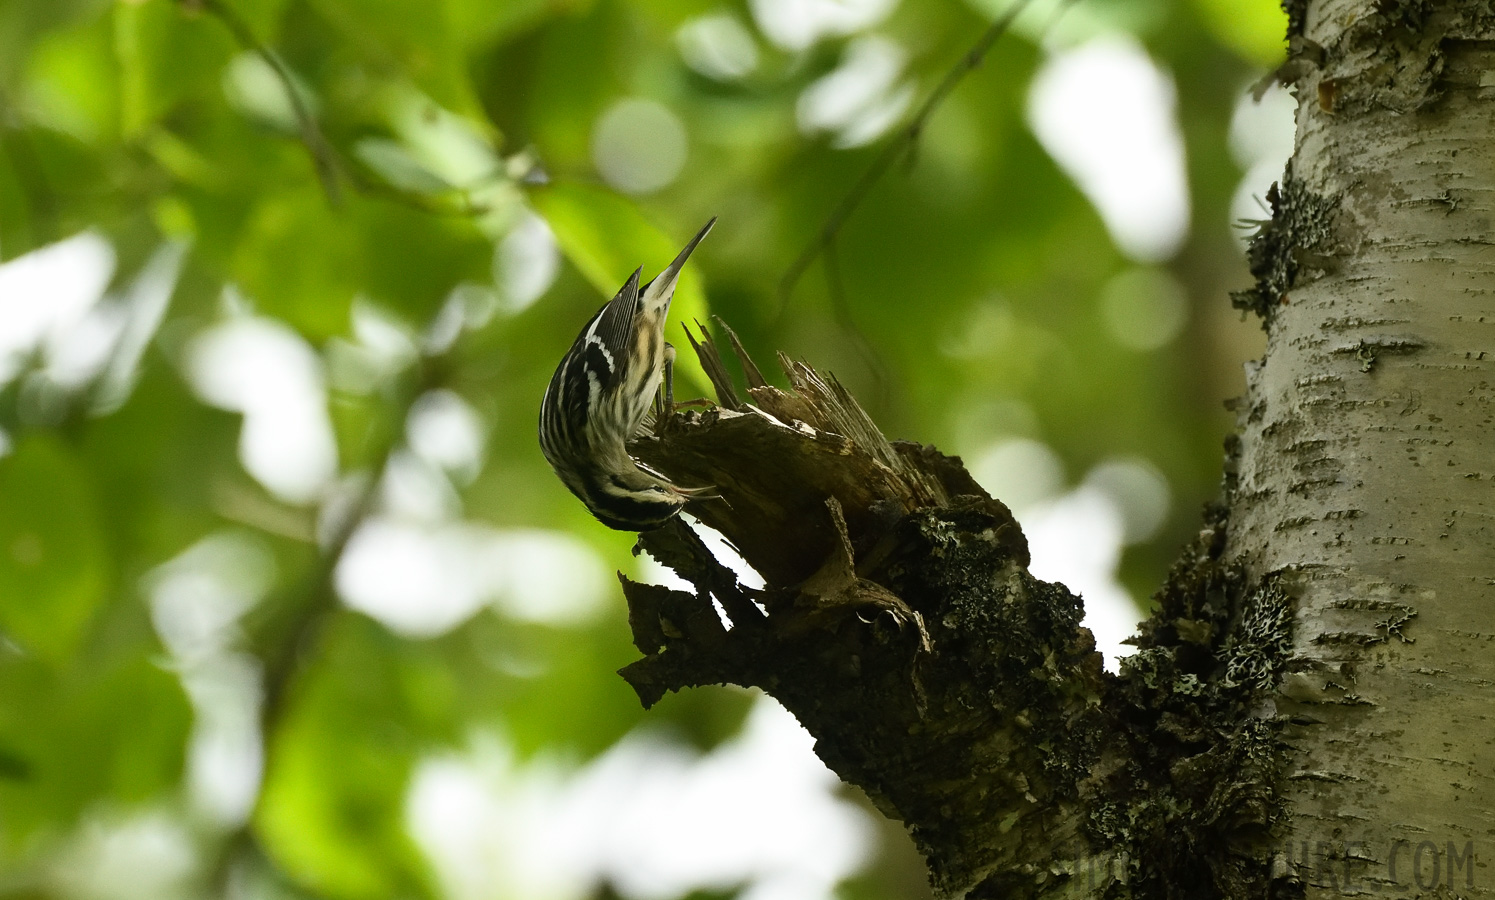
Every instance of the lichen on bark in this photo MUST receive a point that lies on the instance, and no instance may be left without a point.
(1368, 403)
(1294, 242)
(900, 624)
(1301, 697)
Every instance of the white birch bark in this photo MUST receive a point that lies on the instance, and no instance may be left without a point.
(1367, 470)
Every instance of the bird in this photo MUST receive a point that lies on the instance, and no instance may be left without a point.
(599, 395)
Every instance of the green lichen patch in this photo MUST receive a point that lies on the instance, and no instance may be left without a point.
(1294, 242)
(1297, 15)
(1200, 784)
(1259, 644)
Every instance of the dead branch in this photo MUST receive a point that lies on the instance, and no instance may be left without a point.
(898, 622)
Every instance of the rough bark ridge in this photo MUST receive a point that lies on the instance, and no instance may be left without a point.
(900, 624)
(1366, 455)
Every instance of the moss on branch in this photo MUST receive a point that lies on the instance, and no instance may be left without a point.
(899, 622)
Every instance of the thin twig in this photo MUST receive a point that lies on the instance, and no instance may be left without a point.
(841, 308)
(322, 155)
(895, 149)
(292, 644)
(465, 208)
(289, 634)
(285, 641)
(41, 199)
(283, 661)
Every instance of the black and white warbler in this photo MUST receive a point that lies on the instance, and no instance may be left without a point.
(598, 398)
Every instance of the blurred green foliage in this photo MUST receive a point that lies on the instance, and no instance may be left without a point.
(970, 310)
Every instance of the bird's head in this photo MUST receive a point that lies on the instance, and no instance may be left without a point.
(625, 497)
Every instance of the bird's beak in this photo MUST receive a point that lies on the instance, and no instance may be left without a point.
(664, 285)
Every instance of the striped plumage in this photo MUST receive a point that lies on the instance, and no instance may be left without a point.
(599, 396)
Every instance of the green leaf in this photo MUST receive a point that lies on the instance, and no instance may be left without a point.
(481, 21)
(165, 56)
(262, 16)
(421, 39)
(395, 164)
(304, 262)
(14, 766)
(23, 23)
(413, 259)
(332, 814)
(53, 559)
(73, 82)
(296, 260)
(572, 669)
(115, 731)
(161, 464)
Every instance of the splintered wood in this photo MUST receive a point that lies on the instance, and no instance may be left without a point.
(776, 459)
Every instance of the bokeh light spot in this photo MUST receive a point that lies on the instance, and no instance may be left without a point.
(444, 430)
(1261, 140)
(262, 368)
(860, 99)
(1018, 472)
(717, 46)
(1144, 309)
(650, 818)
(1106, 113)
(1140, 491)
(423, 579)
(46, 293)
(526, 263)
(639, 146)
(797, 24)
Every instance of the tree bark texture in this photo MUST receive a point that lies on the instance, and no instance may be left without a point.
(1367, 469)
(899, 623)
(1307, 711)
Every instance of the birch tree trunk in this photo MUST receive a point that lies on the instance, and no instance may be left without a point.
(1308, 713)
(1367, 468)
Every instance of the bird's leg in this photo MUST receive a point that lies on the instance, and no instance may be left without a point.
(664, 398)
(664, 401)
(667, 398)
(669, 377)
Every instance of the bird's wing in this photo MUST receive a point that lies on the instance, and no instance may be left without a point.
(609, 335)
(597, 365)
